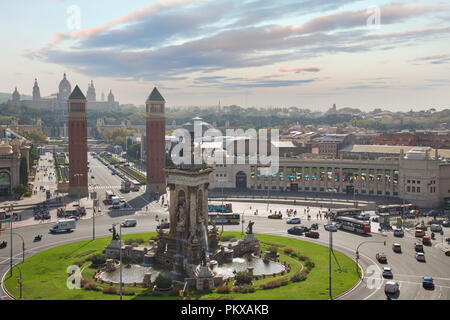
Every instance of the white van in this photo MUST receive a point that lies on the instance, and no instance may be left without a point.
(63, 225)
(129, 223)
(391, 287)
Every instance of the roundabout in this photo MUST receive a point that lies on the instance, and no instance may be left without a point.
(47, 275)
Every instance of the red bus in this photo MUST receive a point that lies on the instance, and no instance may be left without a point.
(352, 224)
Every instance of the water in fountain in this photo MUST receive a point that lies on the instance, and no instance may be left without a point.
(205, 237)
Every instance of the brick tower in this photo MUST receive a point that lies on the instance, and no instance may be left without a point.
(155, 143)
(78, 148)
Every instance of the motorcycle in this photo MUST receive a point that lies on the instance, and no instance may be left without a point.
(37, 238)
(3, 244)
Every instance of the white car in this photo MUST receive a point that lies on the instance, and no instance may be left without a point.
(398, 233)
(122, 199)
(293, 221)
(330, 227)
(435, 228)
(420, 256)
(387, 272)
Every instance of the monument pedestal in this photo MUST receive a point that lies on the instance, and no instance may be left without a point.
(205, 279)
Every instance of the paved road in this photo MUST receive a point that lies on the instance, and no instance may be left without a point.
(405, 268)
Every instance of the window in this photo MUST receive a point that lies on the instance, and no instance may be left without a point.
(418, 189)
(408, 189)
(413, 189)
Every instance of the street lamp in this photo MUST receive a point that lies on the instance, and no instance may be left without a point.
(357, 250)
(120, 256)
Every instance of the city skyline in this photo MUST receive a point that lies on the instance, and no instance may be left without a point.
(253, 53)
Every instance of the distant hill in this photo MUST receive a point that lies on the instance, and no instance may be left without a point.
(8, 96)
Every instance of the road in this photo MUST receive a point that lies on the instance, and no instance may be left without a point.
(407, 271)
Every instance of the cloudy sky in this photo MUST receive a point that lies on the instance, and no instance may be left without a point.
(308, 53)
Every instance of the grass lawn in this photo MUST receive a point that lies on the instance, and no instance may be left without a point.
(45, 273)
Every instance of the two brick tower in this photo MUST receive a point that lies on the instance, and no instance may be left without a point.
(78, 148)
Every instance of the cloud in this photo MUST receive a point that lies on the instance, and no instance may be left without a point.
(435, 59)
(171, 40)
(299, 70)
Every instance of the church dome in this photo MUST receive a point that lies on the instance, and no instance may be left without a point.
(16, 95)
(64, 88)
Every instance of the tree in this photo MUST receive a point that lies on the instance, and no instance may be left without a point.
(36, 136)
(134, 150)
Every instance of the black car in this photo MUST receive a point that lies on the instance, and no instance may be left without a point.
(164, 225)
(298, 230)
(446, 223)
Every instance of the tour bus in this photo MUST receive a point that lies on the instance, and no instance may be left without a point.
(352, 224)
(226, 208)
(346, 212)
(395, 209)
(108, 196)
(225, 218)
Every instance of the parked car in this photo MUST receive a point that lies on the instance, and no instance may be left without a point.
(275, 216)
(435, 228)
(398, 233)
(447, 252)
(298, 230)
(387, 272)
(312, 234)
(381, 257)
(396, 247)
(74, 218)
(391, 287)
(418, 247)
(427, 282)
(330, 227)
(446, 223)
(293, 221)
(164, 225)
(129, 223)
(426, 241)
(419, 233)
(420, 257)
(421, 227)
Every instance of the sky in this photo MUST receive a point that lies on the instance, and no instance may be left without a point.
(393, 55)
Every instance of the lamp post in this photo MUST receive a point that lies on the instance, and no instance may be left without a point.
(11, 233)
(120, 257)
(357, 250)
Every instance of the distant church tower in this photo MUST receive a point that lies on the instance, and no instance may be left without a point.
(36, 91)
(103, 96)
(90, 95)
(110, 97)
(155, 142)
(78, 148)
(16, 97)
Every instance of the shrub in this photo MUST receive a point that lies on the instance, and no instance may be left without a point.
(174, 292)
(127, 292)
(163, 282)
(110, 290)
(83, 282)
(154, 238)
(98, 259)
(78, 263)
(90, 286)
(271, 284)
(284, 282)
(288, 250)
(248, 288)
(244, 277)
(273, 249)
(303, 258)
(88, 258)
(298, 277)
(309, 264)
(223, 289)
